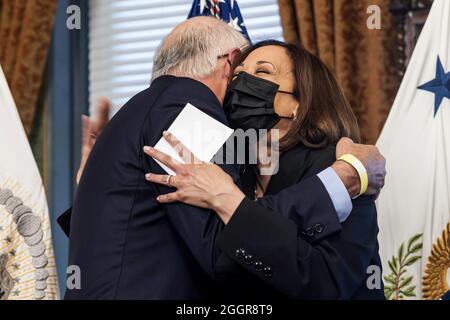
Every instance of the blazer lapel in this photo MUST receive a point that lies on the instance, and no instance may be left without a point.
(248, 180)
(292, 166)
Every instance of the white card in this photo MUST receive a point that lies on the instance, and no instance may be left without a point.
(200, 133)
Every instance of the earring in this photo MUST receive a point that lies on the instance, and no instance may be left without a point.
(294, 113)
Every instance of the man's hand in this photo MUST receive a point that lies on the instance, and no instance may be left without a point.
(372, 160)
(92, 128)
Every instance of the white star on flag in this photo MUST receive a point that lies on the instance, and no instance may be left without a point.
(235, 23)
(203, 5)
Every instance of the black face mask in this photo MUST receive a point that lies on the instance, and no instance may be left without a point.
(249, 103)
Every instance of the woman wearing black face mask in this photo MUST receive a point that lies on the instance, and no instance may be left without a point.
(249, 103)
(280, 86)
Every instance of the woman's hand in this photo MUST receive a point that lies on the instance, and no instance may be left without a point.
(198, 183)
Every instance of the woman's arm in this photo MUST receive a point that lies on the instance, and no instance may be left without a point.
(269, 246)
(322, 267)
(327, 267)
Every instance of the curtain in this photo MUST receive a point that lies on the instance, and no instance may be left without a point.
(25, 34)
(363, 60)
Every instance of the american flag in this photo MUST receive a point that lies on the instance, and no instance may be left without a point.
(226, 10)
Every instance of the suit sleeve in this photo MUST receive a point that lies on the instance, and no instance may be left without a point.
(197, 228)
(315, 220)
(270, 247)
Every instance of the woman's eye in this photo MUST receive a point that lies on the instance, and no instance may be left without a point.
(262, 71)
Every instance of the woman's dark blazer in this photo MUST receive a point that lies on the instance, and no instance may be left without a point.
(273, 248)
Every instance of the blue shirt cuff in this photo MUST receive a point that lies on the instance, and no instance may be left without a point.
(338, 193)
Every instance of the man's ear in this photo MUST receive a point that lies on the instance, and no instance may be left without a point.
(233, 55)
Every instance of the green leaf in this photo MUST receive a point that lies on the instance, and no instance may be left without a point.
(393, 267)
(414, 239)
(388, 287)
(416, 248)
(400, 253)
(388, 293)
(406, 282)
(411, 288)
(409, 293)
(389, 279)
(412, 260)
(394, 260)
(391, 276)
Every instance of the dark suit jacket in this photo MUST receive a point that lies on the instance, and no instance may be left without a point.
(127, 245)
(130, 247)
(277, 250)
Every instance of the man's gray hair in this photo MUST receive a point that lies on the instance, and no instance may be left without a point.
(192, 48)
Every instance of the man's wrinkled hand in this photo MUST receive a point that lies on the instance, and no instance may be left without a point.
(371, 158)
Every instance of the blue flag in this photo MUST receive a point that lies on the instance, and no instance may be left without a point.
(226, 10)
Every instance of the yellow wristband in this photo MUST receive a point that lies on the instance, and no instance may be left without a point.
(359, 167)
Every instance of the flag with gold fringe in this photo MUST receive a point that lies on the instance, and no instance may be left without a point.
(414, 206)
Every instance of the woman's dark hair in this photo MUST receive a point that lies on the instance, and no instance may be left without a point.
(324, 115)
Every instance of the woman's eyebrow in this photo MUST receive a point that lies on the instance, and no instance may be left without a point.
(263, 62)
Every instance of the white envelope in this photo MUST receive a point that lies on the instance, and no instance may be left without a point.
(200, 133)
